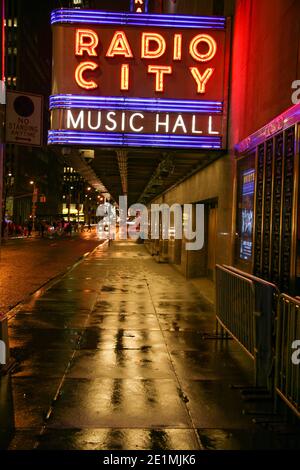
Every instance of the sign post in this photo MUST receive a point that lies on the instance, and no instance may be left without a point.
(34, 202)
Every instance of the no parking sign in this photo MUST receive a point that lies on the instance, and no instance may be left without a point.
(24, 118)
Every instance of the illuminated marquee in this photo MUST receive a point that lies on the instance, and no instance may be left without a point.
(138, 80)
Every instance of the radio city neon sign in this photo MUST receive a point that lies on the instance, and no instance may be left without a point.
(139, 80)
(152, 46)
(138, 122)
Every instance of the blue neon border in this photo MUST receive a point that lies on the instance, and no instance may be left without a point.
(71, 16)
(64, 137)
(69, 101)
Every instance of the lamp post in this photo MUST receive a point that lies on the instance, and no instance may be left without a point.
(34, 201)
(69, 202)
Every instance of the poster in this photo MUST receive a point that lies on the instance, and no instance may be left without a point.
(248, 184)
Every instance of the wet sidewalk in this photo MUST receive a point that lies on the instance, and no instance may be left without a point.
(121, 354)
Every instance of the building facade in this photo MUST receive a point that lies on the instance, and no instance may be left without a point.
(264, 137)
(251, 193)
(27, 69)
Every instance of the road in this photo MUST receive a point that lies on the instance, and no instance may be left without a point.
(27, 264)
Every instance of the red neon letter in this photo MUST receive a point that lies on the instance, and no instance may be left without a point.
(86, 40)
(147, 53)
(159, 71)
(119, 46)
(125, 77)
(86, 84)
(201, 80)
(139, 2)
(212, 48)
(177, 46)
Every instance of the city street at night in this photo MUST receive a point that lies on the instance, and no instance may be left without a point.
(149, 233)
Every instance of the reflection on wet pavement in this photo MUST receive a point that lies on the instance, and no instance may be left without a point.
(120, 354)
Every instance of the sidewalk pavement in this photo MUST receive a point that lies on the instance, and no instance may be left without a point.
(121, 354)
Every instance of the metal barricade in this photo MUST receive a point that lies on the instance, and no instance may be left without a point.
(287, 377)
(235, 300)
(246, 309)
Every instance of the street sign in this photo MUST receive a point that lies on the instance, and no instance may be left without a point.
(24, 114)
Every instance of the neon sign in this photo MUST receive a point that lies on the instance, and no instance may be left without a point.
(118, 73)
(86, 41)
(139, 6)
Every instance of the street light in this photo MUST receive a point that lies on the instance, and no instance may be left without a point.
(34, 201)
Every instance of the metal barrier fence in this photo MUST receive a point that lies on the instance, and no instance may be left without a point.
(234, 307)
(287, 376)
(246, 309)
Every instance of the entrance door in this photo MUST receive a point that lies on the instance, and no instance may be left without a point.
(212, 213)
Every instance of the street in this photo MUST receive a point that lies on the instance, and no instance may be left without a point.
(26, 264)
